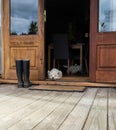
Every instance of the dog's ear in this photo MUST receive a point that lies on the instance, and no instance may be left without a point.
(48, 71)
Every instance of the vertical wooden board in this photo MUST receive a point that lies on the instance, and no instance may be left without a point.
(93, 29)
(41, 49)
(97, 118)
(5, 37)
(112, 109)
(77, 117)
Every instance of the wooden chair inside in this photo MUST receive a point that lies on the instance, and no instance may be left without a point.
(61, 50)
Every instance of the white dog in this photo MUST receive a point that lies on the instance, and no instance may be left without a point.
(54, 74)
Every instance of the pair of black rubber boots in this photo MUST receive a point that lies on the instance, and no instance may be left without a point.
(23, 72)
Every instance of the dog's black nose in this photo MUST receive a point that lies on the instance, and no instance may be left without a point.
(52, 78)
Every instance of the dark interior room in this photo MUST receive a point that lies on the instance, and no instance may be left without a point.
(68, 16)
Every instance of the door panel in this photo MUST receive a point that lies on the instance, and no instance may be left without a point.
(103, 42)
(23, 46)
(22, 53)
(106, 57)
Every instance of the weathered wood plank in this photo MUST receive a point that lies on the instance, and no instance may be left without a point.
(25, 109)
(11, 93)
(18, 115)
(56, 118)
(34, 118)
(78, 116)
(7, 88)
(14, 102)
(97, 119)
(112, 109)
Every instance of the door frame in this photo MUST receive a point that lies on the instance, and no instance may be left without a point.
(93, 30)
(91, 39)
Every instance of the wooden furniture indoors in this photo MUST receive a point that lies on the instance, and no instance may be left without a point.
(73, 46)
(61, 50)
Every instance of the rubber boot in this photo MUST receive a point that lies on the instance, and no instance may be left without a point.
(26, 73)
(19, 72)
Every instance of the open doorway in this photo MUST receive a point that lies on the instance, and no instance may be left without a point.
(71, 18)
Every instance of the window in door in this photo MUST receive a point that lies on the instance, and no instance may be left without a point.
(24, 17)
(107, 15)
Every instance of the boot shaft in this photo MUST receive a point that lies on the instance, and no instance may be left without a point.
(23, 72)
(19, 72)
(26, 72)
(26, 66)
(19, 66)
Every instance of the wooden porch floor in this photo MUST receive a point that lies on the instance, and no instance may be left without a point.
(24, 109)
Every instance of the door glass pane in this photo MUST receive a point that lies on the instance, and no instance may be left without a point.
(107, 15)
(24, 17)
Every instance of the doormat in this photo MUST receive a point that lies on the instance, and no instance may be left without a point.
(58, 88)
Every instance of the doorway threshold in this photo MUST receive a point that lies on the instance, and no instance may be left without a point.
(61, 85)
(60, 88)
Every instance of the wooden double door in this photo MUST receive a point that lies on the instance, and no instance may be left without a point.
(102, 46)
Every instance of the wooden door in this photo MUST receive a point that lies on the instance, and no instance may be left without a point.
(103, 41)
(23, 46)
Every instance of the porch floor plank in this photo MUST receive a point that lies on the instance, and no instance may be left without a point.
(24, 109)
(97, 118)
(78, 116)
(112, 109)
(31, 120)
(56, 118)
(21, 95)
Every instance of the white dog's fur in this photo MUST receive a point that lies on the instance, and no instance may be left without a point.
(54, 74)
